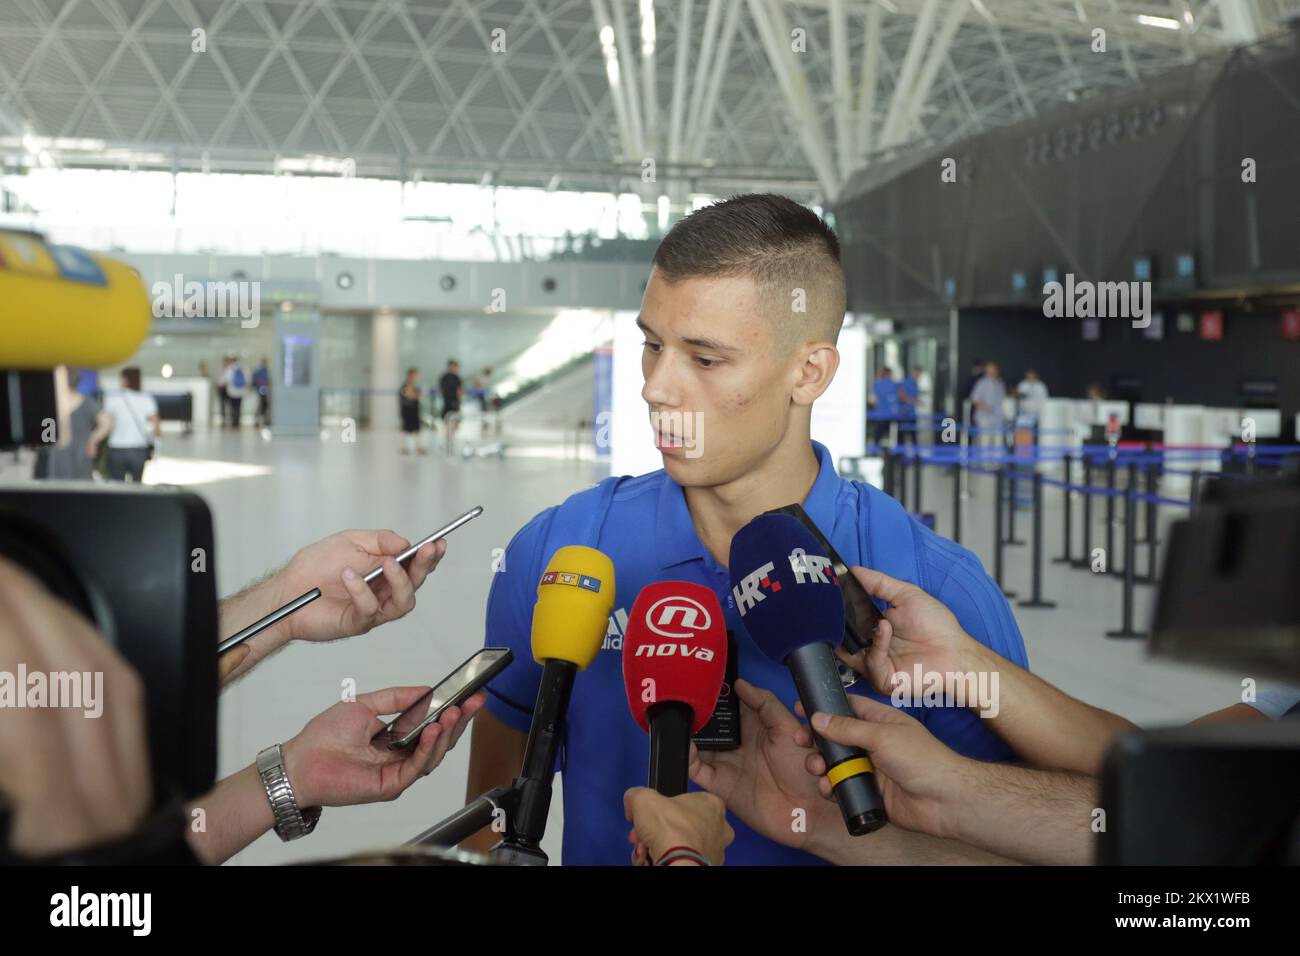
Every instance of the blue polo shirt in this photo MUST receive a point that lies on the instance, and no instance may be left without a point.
(649, 536)
(910, 389)
(887, 403)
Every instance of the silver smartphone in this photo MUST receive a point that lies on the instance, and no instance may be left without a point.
(454, 689)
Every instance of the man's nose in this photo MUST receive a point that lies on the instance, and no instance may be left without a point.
(661, 389)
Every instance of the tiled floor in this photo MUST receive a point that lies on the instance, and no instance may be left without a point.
(305, 488)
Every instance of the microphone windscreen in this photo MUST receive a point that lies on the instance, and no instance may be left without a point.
(784, 586)
(574, 598)
(674, 649)
(62, 306)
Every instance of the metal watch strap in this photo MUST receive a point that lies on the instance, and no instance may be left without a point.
(290, 821)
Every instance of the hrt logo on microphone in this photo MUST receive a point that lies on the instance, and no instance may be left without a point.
(750, 589)
(815, 567)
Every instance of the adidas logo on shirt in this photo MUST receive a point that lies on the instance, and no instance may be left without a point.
(614, 633)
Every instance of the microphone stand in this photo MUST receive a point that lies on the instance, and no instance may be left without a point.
(527, 802)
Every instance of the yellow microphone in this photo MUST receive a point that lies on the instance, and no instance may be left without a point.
(60, 305)
(574, 598)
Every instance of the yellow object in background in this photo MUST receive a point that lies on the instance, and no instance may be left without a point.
(63, 306)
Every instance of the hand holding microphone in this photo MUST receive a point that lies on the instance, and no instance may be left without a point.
(789, 598)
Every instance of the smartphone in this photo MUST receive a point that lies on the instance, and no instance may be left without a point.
(454, 689)
(302, 600)
(860, 612)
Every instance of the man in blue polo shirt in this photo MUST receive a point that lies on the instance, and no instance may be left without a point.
(731, 373)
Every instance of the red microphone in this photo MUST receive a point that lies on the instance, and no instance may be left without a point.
(674, 659)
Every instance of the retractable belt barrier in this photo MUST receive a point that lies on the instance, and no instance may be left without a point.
(1142, 464)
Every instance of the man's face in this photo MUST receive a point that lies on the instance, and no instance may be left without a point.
(714, 377)
(991, 370)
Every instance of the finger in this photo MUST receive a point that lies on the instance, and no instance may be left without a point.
(421, 565)
(882, 586)
(868, 708)
(401, 596)
(771, 712)
(815, 764)
(447, 720)
(416, 765)
(364, 600)
(848, 730)
(878, 666)
(388, 542)
(803, 737)
(391, 700)
(229, 662)
(467, 712)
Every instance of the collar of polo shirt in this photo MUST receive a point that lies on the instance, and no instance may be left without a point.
(676, 541)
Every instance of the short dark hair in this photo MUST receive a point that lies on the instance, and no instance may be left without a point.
(131, 376)
(779, 243)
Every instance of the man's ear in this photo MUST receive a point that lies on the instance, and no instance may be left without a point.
(821, 361)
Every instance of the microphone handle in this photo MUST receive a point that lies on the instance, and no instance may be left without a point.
(817, 679)
(544, 738)
(670, 746)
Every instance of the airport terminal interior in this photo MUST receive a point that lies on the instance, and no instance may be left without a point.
(395, 253)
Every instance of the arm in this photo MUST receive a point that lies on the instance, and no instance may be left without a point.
(500, 736)
(331, 763)
(1035, 816)
(767, 784)
(894, 846)
(1041, 723)
(347, 605)
(103, 428)
(496, 753)
(1039, 816)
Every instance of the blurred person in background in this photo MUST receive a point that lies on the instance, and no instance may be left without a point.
(409, 406)
(262, 386)
(452, 391)
(909, 394)
(236, 382)
(88, 424)
(1032, 392)
(134, 418)
(987, 397)
(884, 400)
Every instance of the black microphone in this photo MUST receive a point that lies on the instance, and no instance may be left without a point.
(789, 597)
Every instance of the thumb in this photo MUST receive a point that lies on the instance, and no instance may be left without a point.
(847, 730)
(631, 799)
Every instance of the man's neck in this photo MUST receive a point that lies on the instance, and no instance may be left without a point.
(785, 477)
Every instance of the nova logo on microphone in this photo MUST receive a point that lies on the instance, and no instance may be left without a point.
(679, 617)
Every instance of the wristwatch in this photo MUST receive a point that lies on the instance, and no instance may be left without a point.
(291, 822)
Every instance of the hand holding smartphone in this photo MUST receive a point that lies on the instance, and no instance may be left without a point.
(302, 600)
(403, 732)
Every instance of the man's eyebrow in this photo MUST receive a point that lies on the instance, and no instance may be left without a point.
(711, 345)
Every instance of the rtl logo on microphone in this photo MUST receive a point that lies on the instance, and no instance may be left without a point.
(570, 579)
(807, 568)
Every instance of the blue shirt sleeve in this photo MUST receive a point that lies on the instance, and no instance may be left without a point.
(512, 693)
(959, 581)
